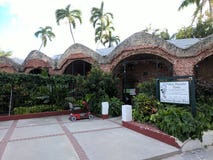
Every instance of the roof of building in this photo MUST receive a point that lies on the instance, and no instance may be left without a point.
(180, 43)
(105, 51)
(8, 60)
(184, 43)
(17, 60)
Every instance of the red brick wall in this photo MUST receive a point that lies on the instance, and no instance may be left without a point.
(181, 66)
(7, 68)
(204, 69)
(142, 50)
(71, 58)
(106, 68)
(186, 66)
(35, 63)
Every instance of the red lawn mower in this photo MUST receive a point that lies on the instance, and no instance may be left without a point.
(80, 112)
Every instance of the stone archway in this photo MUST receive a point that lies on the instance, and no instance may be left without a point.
(203, 72)
(142, 67)
(78, 67)
(36, 71)
(139, 68)
(204, 69)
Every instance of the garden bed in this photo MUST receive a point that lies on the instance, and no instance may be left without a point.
(152, 132)
(33, 115)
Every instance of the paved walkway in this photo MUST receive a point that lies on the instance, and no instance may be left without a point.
(198, 154)
(57, 138)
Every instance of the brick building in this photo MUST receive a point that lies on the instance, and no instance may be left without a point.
(140, 57)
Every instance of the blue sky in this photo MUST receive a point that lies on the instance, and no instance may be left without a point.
(5, 15)
(20, 19)
(5, 19)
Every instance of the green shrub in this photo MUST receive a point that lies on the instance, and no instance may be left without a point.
(177, 122)
(144, 106)
(36, 109)
(205, 115)
(115, 106)
(204, 92)
(148, 88)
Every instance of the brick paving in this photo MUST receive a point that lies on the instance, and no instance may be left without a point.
(60, 139)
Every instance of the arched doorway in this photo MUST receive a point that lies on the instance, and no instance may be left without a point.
(140, 68)
(78, 67)
(204, 69)
(36, 71)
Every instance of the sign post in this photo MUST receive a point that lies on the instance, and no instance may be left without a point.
(178, 90)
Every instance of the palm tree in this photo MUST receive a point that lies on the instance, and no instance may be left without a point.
(98, 16)
(200, 4)
(110, 39)
(101, 22)
(102, 31)
(45, 34)
(71, 15)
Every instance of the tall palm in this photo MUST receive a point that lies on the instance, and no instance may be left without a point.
(45, 34)
(200, 4)
(103, 30)
(70, 15)
(110, 39)
(100, 21)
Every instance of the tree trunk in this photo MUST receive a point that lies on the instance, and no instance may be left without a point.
(71, 32)
(40, 46)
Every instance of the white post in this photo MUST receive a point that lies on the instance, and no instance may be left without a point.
(105, 110)
(126, 113)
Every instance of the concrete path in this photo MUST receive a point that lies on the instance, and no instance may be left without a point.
(57, 138)
(198, 154)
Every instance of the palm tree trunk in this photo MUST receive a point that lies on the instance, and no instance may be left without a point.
(71, 33)
(40, 46)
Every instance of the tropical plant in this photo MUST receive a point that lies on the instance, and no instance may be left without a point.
(98, 17)
(37, 109)
(203, 28)
(71, 16)
(200, 5)
(148, 88)
(5, 53)
(18, 90)
(102, 31)
(144, 107)
(161, 33)
(200, 30)
(115, 106)
(110, 39)
(102, 23)
(45, 34)
(178, 122)
(185, 32)
(101, 87)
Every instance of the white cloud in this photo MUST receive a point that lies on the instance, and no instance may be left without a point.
(129, 17)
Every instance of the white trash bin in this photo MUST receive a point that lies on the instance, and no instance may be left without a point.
(126, 113)
(105, 110)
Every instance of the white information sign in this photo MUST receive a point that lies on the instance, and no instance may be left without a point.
(175, 92)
